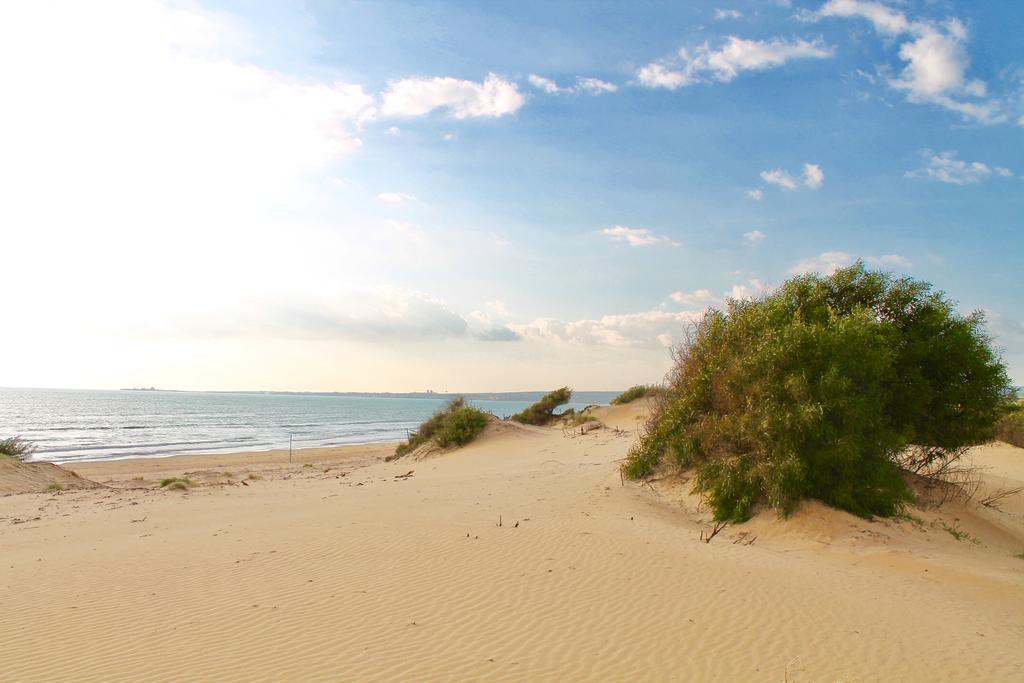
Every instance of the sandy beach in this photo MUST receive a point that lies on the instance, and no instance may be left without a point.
(523, 556)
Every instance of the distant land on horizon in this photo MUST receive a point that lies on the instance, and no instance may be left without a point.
(481, 395)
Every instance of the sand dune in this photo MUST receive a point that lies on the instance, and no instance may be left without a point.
(32, 477)
(521, 557)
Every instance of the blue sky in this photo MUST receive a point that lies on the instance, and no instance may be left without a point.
(398, 196)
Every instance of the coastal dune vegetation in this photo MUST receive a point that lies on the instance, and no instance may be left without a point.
(456, 424)
(17, 448)
(829, 388)
(543, 411)
(638, 391)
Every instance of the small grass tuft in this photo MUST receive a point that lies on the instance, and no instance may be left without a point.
(17, 448)
(175, 483)
(55, 487)
(254, 477)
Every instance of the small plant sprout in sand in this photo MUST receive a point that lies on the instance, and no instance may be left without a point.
(55, 487)
(176, 483)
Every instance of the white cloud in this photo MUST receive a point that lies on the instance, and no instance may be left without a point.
(753, 289)
(699, 297)
(737, 55)
(647, 328)
(814, 177)
(946, 168)
(890, 260)
(884, 19)
(545, 84)
(585, 84)
(636, 237)
(728, 14)
(829, 262)
(754, 236)
(935, 57)
(595, 86)
(392, 131)
(494, 97)
(757, 194)
(780, 178)
(826, 263)
(396, 197)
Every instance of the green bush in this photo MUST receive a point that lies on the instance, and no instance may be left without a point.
(461, 427)
(542, 412)
(456, 424)
(175, 483)
(17, 448)
(825, 389)
(638, 391)
(1011, 428)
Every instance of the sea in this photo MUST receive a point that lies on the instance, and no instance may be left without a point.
(71, 425)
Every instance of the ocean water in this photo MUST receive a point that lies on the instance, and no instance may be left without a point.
(73, 425)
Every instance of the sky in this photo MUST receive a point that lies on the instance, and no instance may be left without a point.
(400, 196)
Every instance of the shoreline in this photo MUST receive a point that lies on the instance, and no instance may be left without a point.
(250, 461)
(521, 556)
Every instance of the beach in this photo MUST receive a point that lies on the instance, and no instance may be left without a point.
(523, 556)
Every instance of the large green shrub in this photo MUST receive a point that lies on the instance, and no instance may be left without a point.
(456, 424)
(542, 412)
(638, 391)
(825, 389)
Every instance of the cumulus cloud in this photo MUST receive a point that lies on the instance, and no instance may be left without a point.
(698, 297)
(889, 260)
(826, 263)
(595, 86)
(492, 98)
(655, 327)
(946, 168)
(780, 178)
(756, 194)
(636, 237)
(814, 177)
(396, 197)
(829, 262)
(934, 55)
(585, 84)
(751, 290)
(545, 84)
(736, 55)
(754, 236)
(727, 14)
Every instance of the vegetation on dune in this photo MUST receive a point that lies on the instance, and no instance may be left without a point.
(1011, 427)
(543, 411)
(456, 424)
(17, 448)
(827, 389)
(638, 391)
(175, 483)
(572, 418)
